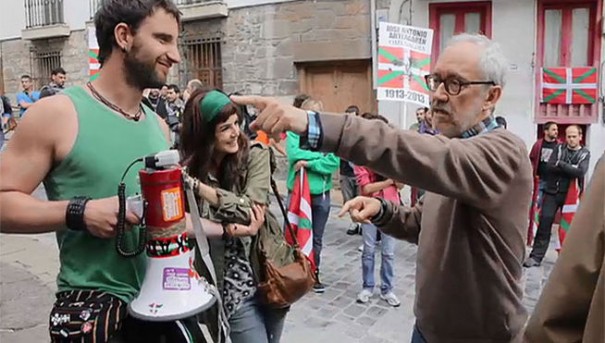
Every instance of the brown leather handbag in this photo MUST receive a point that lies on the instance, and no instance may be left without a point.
(287, 274)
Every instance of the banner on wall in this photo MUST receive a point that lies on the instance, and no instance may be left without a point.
(404, 58)
(93, 54)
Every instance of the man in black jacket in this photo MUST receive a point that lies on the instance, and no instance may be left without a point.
(568, 162)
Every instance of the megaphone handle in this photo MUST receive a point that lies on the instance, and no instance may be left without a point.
(120, 227)
(204, 249)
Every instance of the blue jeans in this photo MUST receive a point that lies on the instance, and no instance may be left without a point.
(320, 207)
(253, 323)
(541, 188)
(387, 247)
(320, 211)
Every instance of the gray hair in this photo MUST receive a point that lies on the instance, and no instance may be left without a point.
(493, 63)
(195, 85)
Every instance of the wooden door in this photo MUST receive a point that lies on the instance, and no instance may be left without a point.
(339, 84)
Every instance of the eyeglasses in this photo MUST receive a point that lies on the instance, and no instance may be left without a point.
(453, 85)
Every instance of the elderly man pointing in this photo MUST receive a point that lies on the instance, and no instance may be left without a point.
(478, 180)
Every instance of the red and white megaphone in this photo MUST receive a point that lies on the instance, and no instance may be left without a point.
(172, 289)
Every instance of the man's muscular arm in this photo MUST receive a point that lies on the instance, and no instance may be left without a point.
(28, 157)
(44, 137)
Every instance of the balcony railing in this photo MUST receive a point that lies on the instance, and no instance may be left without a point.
(202, 9)
(192, 2)
(94, 6)
(43, 12)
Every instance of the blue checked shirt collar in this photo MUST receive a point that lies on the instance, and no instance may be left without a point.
(486, 125)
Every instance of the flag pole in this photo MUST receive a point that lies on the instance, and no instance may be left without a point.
(403, 115)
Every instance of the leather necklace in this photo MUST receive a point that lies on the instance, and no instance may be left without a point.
(114, 107)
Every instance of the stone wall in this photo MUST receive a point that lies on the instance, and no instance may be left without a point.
(15, 62)
(262, 43)
(17, 59)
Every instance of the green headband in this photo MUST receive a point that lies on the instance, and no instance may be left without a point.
(212, 104)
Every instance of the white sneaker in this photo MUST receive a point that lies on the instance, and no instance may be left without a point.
(360, 248)
(364, 296)
(390, 298)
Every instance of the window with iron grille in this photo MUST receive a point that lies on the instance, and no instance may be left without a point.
(43, 12)
(43, 62)
(202, 60)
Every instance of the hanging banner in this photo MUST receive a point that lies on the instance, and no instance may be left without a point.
(578, 85)
(93, 54)
(404, 58)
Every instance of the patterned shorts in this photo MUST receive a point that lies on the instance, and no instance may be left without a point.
(98, 317)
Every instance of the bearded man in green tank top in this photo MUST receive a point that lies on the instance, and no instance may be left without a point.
(78, 144)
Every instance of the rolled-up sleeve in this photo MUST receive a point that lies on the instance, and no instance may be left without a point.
(235, 208)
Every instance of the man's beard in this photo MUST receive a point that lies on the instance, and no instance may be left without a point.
(140, 74)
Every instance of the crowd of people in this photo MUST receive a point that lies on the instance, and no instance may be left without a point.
(472, 182)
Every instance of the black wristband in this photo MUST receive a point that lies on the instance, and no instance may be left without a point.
(380, 214)
(74, 215)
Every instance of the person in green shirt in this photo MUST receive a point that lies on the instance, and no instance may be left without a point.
(319, 168)
(80, 152)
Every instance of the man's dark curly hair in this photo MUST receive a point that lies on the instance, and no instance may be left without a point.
(131, 12)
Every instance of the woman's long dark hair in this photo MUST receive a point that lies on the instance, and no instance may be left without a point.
(197, 144)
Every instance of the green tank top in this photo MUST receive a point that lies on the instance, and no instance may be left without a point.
(106, 144)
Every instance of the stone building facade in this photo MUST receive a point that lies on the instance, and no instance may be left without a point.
(263, 48)
(324, 48)
(36, 58)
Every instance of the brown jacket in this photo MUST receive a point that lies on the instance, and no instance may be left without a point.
(572, 303)
(470, 229)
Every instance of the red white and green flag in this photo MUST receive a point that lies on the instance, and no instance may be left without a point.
(403, 68)
(404, 58)
(300, 216)
(572, 200)
(93, 54)
(576, 85)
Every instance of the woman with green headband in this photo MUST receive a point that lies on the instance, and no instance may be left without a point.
(233, 183)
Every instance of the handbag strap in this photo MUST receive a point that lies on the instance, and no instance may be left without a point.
(204, 249)
(283, 208)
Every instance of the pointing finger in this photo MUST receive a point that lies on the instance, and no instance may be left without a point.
(347, 207)
(256, 101)
(344, 210)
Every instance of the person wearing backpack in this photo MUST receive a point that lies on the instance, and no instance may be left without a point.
(232, 178)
